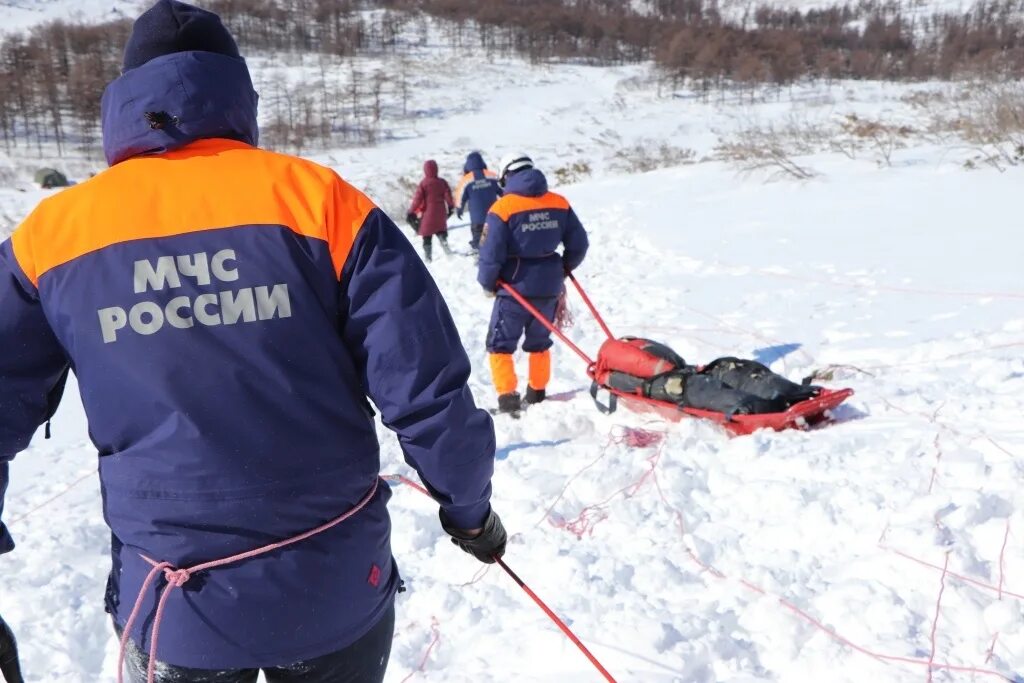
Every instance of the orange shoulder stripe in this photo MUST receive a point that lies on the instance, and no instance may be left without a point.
(207, 185)
(512, 204)
(465, 180)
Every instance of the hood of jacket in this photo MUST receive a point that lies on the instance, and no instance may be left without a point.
(174, 100)
(529, 183)
(430, 169)
(474, 162)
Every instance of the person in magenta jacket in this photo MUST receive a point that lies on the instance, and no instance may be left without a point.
(432, 205)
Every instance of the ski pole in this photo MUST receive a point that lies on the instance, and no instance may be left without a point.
(545, 322)
(558, 622)
(522, 584)
(590, 305)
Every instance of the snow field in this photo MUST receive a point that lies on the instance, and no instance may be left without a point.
(885, 547)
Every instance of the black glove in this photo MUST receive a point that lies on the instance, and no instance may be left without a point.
(450, 211)
(484, 546)
(459, 214)
(10, 670)
(413, 220)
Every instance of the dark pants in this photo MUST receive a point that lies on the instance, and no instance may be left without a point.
(364, 661)
(510, 321)
(477, 232)
(429, 239)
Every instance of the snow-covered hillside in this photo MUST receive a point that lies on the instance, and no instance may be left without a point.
(886, 547)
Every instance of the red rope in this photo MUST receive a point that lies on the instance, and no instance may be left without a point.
(590, 305)
(544, 321)
(592, 515)
(558, 622)
(522, 584)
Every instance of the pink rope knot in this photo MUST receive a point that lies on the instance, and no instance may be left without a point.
(177, 578)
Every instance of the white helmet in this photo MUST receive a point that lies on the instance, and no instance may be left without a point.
(511, 163)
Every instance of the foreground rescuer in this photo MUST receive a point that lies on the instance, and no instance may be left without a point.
(227, 312)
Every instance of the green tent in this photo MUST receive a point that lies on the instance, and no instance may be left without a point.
(51, 177)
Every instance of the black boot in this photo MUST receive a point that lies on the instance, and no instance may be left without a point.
(509, 403)
(444, 245)
(534, 396)
(428, 251)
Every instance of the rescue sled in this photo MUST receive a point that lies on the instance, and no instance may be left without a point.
(800, 415)
(803, 415)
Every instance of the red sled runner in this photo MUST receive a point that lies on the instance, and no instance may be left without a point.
(648, 377)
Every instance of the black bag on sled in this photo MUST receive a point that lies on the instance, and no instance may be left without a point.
(731, 386)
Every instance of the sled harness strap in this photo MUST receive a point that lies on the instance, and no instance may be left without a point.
(177, 577)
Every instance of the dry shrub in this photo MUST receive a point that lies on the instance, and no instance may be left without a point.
(397, 196)
(772, 148)
(572, 173)
(884, 138)
(649, 155)
(990, 120)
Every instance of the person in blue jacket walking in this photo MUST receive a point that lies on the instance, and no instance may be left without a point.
(230, 314)
(478, 189)
(524, 231)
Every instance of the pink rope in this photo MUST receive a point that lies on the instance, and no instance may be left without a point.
(1002, 558)
(966, 579)
(1002, 575)
(992, 648)
(935, 623)
(435, 630)
(177, 578)
(66, 490)
(402, 479)
(930, 664)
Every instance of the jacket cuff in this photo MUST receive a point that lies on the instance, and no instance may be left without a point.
(466, 517)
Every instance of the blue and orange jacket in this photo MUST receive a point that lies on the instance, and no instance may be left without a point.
(524, 230)
(228, 312)
(478, 189)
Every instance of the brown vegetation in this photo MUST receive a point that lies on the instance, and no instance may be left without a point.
(872, 39)
(51, 79)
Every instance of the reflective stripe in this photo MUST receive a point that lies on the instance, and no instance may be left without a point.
(512, 204)
(461, 187)
(540, 370)
(503, 372)
(207, 185)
